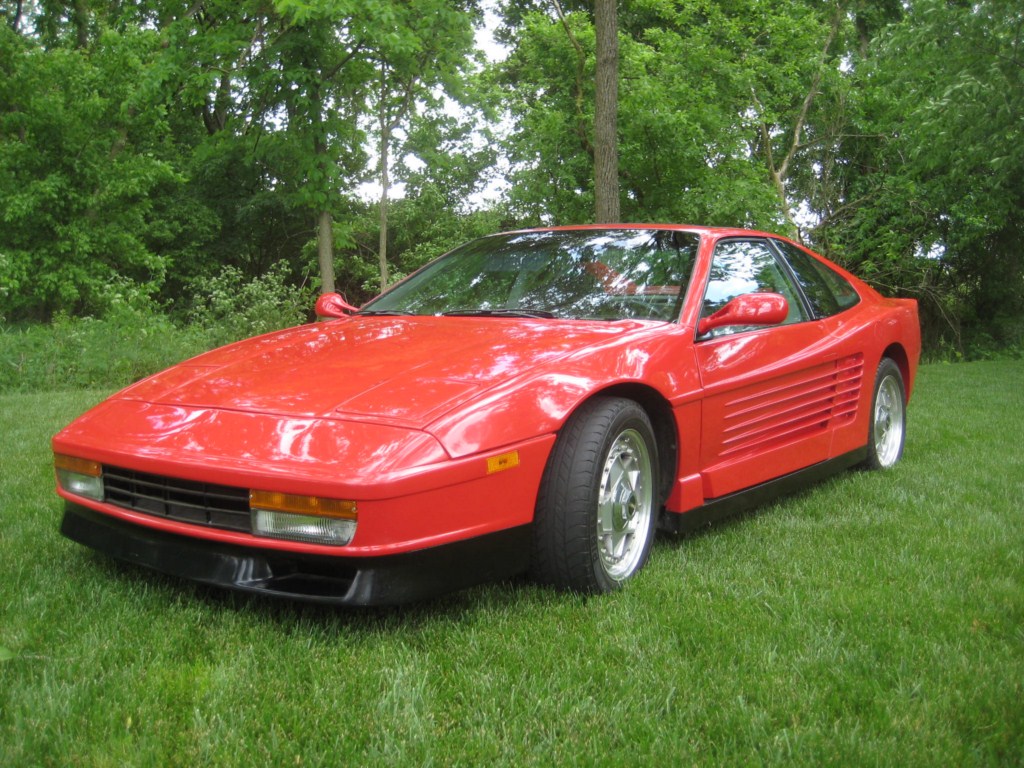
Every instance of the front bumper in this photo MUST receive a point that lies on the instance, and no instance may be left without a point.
(336, 580)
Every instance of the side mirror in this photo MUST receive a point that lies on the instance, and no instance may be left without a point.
(748, 309)
(332, 305)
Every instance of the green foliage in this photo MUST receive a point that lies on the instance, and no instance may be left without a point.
(229, 308)
(239, 219)
(152, 144)
(423, 227)
(691, 76)
(934, 205)
(130, 342)
(136, 337)
(79, 161)
(873, 620)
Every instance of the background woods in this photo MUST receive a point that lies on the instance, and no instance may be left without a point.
(157, 156)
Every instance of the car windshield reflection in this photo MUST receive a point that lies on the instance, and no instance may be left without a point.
(599, 274)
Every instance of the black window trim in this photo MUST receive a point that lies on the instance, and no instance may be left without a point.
(781, 256)
(810, 254)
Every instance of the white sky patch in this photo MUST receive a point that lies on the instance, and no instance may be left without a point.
(804, 217)
(485, 41)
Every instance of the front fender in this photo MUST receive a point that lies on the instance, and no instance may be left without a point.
(539, 402)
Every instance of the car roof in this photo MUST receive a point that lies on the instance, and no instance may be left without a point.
(697, 229)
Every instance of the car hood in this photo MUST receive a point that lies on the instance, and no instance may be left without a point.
(405, 371)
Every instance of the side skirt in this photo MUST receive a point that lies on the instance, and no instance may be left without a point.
(726, 506)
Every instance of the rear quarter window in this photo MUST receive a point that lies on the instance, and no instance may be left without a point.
(828, 292)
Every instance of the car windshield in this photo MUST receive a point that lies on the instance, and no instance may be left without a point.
(594, 274)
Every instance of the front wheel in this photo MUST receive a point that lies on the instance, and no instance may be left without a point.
(598, 500)
(888, 427)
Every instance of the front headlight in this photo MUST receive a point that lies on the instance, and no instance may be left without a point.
(302, 518)
(81, 477)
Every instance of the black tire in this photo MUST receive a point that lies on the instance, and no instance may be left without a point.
(598, 502)
(887, 424)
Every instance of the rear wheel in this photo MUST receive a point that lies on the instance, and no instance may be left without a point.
(598, 501)
(888, 427)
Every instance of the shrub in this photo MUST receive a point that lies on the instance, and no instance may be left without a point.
(228, 308)
(135, 337)
(71, 352)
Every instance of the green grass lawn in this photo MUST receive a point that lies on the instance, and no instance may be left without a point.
(876, 619)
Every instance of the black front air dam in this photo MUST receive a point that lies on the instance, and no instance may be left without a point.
(390, 580)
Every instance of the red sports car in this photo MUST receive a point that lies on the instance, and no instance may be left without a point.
(538, 401)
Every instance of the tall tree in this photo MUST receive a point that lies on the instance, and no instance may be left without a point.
(606, 110)
(683, 141)
(781, 136)
(421, 63)
(414, 46)
(324, 76)
(82, 167)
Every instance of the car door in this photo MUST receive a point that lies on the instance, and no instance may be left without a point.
(771, 394)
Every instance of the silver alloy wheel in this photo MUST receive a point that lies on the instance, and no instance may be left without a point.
(888, 421)
(625, 510)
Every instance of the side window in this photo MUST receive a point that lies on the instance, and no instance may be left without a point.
(828, 292)
(748, 266)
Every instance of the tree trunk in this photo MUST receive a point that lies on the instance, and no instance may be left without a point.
(385, 139)
(606, 106)
(325, 251)
(15, 20)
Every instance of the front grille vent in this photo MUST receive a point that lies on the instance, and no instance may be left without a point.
(216, 506)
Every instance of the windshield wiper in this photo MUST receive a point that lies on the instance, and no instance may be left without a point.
(499, 313)
(383, 312)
